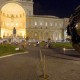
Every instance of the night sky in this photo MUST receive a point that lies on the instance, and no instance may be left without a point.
(60, 8)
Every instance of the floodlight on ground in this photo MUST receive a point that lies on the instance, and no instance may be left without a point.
(64, 50)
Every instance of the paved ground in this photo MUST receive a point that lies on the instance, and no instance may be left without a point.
(28, 67)
(19, 67)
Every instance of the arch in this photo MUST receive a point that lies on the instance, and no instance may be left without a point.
(14, 15)
(12, 8)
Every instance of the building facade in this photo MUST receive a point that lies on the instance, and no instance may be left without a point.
(18, 14)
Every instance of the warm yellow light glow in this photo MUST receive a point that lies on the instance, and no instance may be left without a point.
(12, 24)
(12, 16)
(17, 24)
(64, 49)
(7, 24)
(21, 24)
(3, 24)
(12, 8)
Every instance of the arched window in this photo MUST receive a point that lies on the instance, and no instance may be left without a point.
(35, 23)
(46, 24)
(51, 24)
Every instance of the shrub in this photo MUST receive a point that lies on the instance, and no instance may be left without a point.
(61, 45)
(8, 49)
(43, 44)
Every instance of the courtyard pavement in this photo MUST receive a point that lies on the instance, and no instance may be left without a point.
(27, 66)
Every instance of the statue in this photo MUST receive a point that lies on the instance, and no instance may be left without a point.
(14, 32)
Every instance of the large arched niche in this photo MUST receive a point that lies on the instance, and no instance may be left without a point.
(13, 15)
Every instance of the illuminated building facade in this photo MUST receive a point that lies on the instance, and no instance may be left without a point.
(18, 14)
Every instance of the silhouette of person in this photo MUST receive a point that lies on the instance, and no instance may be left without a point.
(14, 31)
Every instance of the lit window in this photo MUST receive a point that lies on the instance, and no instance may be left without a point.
(35, 23)
(17, 24)
(60, 25)
(11, 24)
(51, 24)
(40, 23)
(35, 34)
(55, 24)
(7, 24)
(46, 24)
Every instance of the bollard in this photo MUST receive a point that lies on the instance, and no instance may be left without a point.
(41, 61)
(43, 66)
(40, 55)
(45, 75)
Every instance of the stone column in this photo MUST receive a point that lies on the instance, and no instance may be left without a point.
(43, 35)
(40, 36)
(62, 33)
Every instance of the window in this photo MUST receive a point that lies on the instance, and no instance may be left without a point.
(41, 23)
(55, 24)
(51, 24)
(12, 24)
(35, 34)
(60, 24)
(35, 23)
(17, 24)
(46, 24)
(7, 24)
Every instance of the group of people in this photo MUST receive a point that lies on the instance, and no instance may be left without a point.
(47, 44)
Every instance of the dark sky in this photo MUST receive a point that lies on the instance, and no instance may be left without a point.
(60, 8)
